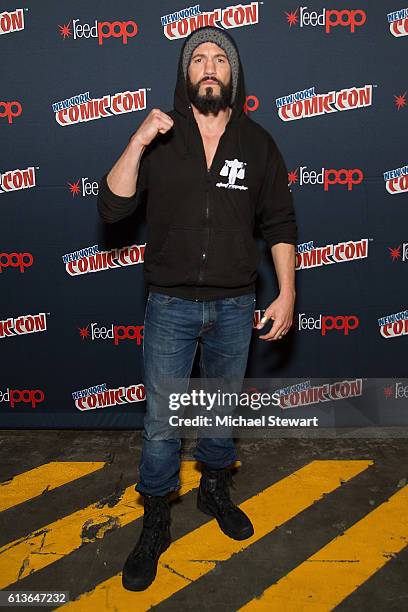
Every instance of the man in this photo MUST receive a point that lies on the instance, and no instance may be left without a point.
(210, 173)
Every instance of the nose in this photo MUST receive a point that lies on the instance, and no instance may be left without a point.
(209, 66)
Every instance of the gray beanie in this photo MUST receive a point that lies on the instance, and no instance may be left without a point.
(217, 36)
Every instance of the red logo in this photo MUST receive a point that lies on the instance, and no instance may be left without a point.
(400, 101)
(251, 104)
(388, 392)
(340, 322)
(395, 253)
(128, 332)
(10, 110)
(328, 18)
(327, 176)
(345, 18)
(342, 177)
(117, 333)
(117, 29)
(26, 396)
(16, 260)
(74, 188)
(101, 30)
(293, 177)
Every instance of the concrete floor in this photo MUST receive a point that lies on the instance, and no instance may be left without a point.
(232, 583)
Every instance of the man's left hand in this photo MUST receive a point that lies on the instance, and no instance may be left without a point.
(281, 312)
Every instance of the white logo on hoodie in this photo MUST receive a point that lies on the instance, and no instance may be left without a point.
(234, 169)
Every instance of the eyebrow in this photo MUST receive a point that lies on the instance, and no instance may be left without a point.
(203, 55)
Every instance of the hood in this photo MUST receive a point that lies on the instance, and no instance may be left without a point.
(182, 103)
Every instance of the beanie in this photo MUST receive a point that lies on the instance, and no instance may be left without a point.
(217, 36)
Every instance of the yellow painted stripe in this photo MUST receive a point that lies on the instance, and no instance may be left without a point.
(198, 552)
(45, 546)
(46, 477)
(336, 570)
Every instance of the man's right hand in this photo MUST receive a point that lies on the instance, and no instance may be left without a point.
(155, 122)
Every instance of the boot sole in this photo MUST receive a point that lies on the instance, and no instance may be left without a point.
(244, 535)
(142, 587)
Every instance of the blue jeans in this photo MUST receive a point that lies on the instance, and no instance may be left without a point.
(173, 328)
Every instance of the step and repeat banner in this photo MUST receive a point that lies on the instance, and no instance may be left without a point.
(327, 80)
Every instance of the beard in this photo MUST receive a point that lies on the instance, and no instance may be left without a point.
(209, 103)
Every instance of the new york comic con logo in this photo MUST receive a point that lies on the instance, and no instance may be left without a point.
(24, 324)
(90, 259)
(100, 396)
(309, 256)
(396, 181)
(398, 21)
(181, 23)
(329, 18)
(394, 325)
(11, 21)
(307, 103)
(81, 107)
(306, 394)
(14, 180)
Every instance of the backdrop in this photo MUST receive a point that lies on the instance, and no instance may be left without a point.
(328, 82)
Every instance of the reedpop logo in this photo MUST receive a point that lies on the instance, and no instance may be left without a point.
(16, 260)
(100, 30)
(22, 396)
(11, 110)
(117, 333)
(86, 189)
(329, 18)
(399, 253)
(325, 323)
(397, 391)
(327, 177)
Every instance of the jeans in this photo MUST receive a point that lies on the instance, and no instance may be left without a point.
(173, 328)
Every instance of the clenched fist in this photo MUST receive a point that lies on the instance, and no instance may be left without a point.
(155, 122)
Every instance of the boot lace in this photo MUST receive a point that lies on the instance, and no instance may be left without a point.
(153, 525)
(221, 493)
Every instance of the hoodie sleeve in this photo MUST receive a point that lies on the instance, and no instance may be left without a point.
(112, 207)
(274, 210)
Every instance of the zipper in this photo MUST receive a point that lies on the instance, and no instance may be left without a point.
(204, 253)
(207, 216)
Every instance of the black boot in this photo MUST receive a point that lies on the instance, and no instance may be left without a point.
(140, 567)
(213, 499)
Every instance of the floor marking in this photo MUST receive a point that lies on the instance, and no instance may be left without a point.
(199, 551)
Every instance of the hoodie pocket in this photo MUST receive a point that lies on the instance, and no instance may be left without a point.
(232, 260)
(177, 261)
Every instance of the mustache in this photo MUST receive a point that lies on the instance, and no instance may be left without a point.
(210, 79)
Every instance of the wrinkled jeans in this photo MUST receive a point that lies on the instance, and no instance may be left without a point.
(173, 328)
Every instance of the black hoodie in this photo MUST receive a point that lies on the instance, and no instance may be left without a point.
(200, 221)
